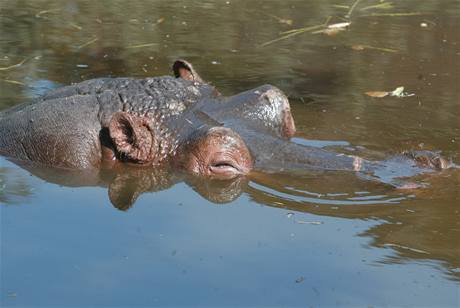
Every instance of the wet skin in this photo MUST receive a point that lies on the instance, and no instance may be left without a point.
(177, 122)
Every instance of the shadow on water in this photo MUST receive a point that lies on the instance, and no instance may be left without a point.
(407, 229)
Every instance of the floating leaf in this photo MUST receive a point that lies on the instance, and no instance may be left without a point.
(358, 47)
(397, 92)
(288, 22)
(330, 32)
(377, 93)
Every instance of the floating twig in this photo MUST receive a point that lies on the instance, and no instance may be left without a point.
(287, 36)
(306, 29)
(14, 82)
(334, 28)
(352, 8)
(405, 247)
(88, 43)
(301, 30)
(303, 222)
(395, 14)
(339, 6)
(293, 32)
(384, 6)
(76, 26)
(13, 66)
(142, 45)
(39, 14)
(362, 47)
(279, 19)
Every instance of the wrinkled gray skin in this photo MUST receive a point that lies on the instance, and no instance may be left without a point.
(178, 121)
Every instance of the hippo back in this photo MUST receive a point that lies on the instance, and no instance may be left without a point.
(59, 132)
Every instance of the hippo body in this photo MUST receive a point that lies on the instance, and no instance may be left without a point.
(67, 127)
(178, 121)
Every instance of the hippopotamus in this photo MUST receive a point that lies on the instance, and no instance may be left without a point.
(178, 121)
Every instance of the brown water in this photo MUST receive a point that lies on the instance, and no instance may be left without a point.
(317, 239)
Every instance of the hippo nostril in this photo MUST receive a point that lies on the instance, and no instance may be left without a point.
(226, 167)
(222, 165)
(224, 170)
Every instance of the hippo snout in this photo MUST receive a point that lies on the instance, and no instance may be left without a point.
(265, 109)
(216, 152)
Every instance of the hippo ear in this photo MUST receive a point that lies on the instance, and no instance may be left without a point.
(132, 137)
(184, 70)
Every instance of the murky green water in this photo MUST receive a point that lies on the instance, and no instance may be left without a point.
(308, 239)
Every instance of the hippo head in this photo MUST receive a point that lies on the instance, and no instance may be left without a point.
(210, 136)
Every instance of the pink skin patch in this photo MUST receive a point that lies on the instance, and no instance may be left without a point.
(357, 163)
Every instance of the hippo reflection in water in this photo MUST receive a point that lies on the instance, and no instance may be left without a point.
(179, 123)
